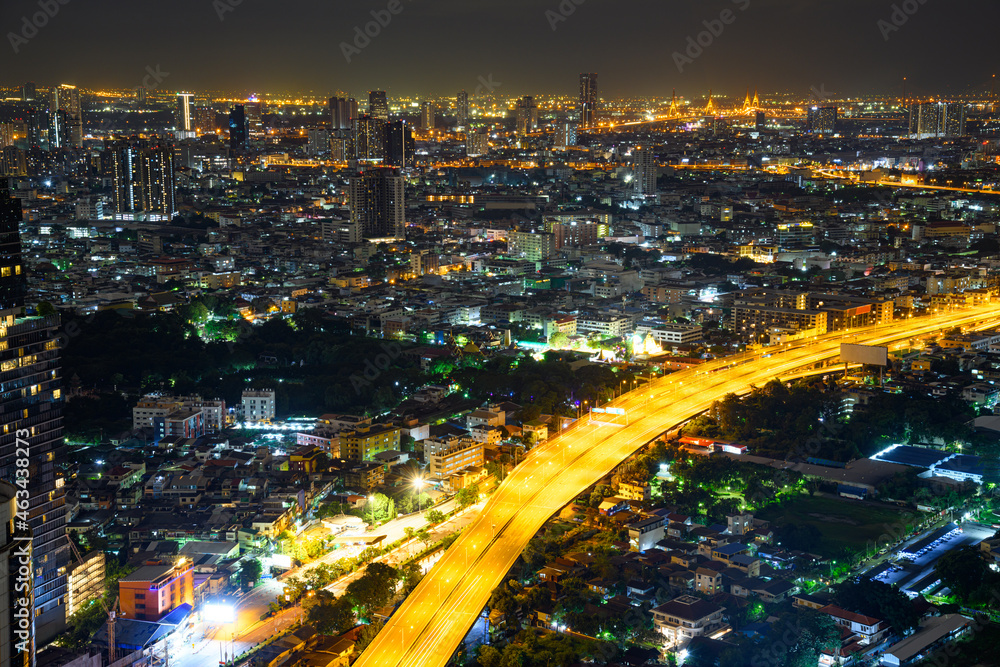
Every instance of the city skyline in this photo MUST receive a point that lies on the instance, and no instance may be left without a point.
(863, 48)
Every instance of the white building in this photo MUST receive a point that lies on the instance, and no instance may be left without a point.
(258, 405)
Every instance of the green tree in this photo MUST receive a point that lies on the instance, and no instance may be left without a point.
(468, 496)
(434, 516)
(367, 635)
(877, 599)
(374, 588)
(330, 615)
(250, 573)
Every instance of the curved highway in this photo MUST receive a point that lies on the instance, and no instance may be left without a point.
(431, 623)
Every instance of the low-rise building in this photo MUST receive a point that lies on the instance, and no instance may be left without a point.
(686, 617)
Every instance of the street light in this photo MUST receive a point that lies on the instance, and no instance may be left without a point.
(418, 483)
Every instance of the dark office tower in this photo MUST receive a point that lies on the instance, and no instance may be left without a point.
(31, 407)
(13, 162)
(428, 115)
(140, 95)
(28, 93)
(238, 128)
(761, 122)
(378, 105)
(343, 111)
(376, 200)
(67, 98)
(588, 99)
(142, 177)
(38, 128)
(58, 127)
(369, 139)
(462, 110)
(822, 120)
(399, 144)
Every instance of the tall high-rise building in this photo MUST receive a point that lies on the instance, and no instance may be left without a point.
(399, 144)
(67, 98)
(588, 99)
(204, 120)
(59, 128)
(937, 119)
(526, 115)
(369, 139)
(31, 408)
(142, 177)
(427, 116)
(255, 121)
(376, 201)
(13, 162)
(822, 119)
(462, 110)
(343, 111)
(140, 95)
(644, 172)
(565, 135)
(238, 128)
(28, 92)
(378, 105)
(477, 142)
(184, 114)
(318, 142)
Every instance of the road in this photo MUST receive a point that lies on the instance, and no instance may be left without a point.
(429, 626)
(207, 642)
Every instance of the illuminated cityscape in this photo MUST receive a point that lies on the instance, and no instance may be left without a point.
(460, 335)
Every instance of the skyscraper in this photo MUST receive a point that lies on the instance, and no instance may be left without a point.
(369, 139)
(822, 120)
(343, 111)
(937, 119)
(184, 115)
(588, 99)
(67, 98)
(376, 201)
(238, 128)
(477, 142)
(526, 115)
(255, 121)
(565, 135)
(142, 177)
(427, 116)
(31, 408)
(462, 110)
(378, 105)
(399, 144)
(28, 93)
(644, 172)
(140, 95)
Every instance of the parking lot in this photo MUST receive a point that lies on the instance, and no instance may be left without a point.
(913, 568)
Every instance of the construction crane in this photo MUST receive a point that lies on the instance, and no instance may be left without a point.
(111, 613)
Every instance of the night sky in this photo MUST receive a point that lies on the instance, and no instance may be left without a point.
(437, 47)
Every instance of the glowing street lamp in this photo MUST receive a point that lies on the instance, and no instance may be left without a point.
(418, 483)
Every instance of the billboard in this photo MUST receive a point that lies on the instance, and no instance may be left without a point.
(864, 354)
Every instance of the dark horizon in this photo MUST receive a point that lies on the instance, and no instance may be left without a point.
(520, 46)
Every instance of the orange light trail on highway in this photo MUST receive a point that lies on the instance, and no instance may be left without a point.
(429, 626)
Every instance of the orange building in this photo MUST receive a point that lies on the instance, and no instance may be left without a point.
(154, 590)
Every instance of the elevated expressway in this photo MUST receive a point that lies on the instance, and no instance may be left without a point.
(429, 626)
